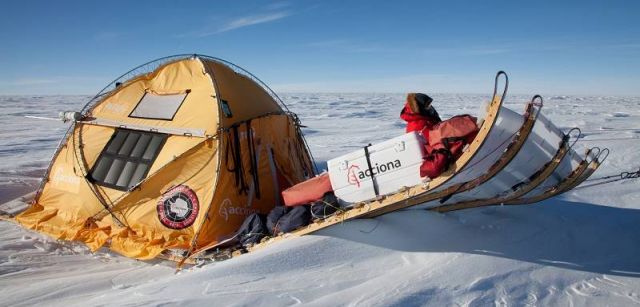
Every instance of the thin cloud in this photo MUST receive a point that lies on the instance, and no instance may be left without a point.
(468, 51)
(343, 45)
(486, 51)
(278, 5)
(52, 85)
(253, 20)
(32, 81)
(394, 84)
(245, 21)
(626, 46)
(540, 46)
(105, 36)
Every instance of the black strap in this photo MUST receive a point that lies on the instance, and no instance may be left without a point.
(447, 141)
(373, 178)
(233, 150)
(253, 166)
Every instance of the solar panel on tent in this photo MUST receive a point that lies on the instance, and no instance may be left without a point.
(127, 158)
(163, 107)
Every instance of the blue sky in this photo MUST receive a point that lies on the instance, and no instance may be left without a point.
(548, 47)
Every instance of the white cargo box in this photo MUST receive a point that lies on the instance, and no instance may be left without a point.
(395, 164)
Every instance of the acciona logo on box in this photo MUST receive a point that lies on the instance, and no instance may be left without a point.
(352, 177)
(355, 174)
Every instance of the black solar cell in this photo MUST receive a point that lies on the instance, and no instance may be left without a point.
(127, 158)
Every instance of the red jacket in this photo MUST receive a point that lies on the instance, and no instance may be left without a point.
(416, 121)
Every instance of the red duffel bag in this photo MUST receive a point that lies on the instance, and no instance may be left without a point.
(307, 191)
(445, 142)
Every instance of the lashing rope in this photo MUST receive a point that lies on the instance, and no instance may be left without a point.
(324, 210)
(612, 178)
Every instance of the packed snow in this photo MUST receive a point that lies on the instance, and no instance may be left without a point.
(580, 248)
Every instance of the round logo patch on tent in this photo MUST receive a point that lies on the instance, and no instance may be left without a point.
(178, 207)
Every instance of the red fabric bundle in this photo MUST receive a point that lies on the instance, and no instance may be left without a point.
(307, 191)
(445, 143)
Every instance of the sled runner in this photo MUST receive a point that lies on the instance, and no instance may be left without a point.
(585, 168)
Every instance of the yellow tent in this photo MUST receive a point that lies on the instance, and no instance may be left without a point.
(174, 157)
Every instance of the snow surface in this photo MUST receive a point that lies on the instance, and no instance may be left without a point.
(581, 248)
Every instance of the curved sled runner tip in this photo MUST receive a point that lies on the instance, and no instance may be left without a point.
(585, 169)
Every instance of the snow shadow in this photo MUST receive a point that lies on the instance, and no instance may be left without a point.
(571, 235)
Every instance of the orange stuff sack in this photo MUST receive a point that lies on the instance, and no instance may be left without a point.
(307, 191)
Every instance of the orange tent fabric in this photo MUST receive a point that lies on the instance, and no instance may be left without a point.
(173, 158)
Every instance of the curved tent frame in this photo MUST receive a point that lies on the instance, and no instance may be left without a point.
(150, 67)
(154, 64)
